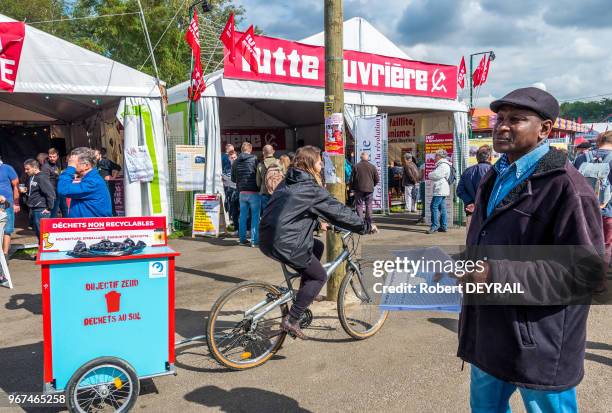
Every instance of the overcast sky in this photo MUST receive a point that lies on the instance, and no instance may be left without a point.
(564, 44)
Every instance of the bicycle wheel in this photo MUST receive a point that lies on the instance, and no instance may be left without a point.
(359, 315)
(234, 339)
(106, 384)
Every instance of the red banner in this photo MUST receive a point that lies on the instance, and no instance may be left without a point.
(192, 36)
(283, 61)
(11, 42)
(257, 137)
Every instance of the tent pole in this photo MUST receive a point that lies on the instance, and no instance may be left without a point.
(148, 39)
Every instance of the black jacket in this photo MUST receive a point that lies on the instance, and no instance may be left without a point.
(536, 346)
(41, 194)
(287, 225)
(52, 171)
(244, 172)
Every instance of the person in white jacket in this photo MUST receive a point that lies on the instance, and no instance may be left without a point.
(441, 189)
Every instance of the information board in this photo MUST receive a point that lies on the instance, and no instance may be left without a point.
(190, 167)
(206, 215)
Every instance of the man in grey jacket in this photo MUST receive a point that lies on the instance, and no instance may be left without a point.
(441, 189)
(40, 194)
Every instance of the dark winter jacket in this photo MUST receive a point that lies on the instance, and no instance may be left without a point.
(469, 181)
(364, 177)
(244, 172)
(41, 194)
(534, 346)
(52, 171)
(287, 225)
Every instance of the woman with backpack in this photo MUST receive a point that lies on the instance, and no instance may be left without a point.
(288, 223)
(270, 173)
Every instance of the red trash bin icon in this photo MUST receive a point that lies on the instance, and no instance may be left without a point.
(113, 301)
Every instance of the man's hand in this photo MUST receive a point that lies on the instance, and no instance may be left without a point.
(478, 277)
(16, 208)
(46, 211)
(107, 178)
(72, 161)
(469, 208)
(323, 226)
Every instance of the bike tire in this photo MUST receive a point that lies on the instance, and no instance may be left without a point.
(346, 323)
(107, 363)
(214, 314)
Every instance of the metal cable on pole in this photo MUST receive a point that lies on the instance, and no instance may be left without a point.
(148, 39)
(163, 34)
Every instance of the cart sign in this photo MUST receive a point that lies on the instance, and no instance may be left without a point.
(11, 42)
(284, 61)
(61, 234)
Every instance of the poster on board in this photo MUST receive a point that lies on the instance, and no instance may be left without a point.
(206, 215)
(190, 167)
(334, 134)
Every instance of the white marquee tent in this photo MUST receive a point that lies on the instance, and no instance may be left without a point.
(245, 103)
(78, 93)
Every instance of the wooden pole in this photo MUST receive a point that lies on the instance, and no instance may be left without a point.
(334, 103)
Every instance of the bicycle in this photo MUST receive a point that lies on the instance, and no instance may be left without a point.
(243, 329)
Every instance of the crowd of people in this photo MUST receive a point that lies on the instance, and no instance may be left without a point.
(80, 189)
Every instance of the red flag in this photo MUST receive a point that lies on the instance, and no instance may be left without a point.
(580, 120)
(246, 47)
(198, 85)
(193, 35)
(485, 73)
(227, 37)
(197, 77)
(477, 76)
(461, 73)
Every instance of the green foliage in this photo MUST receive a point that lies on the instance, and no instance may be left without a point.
(595, 111)
(121, 38)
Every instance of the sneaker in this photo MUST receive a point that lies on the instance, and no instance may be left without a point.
(442, 230)
(244, 242)
(293, 328)
(431, 231)
(254, 245)
(4, 282)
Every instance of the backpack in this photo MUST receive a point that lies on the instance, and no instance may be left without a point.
(596, 170)
(274, 176)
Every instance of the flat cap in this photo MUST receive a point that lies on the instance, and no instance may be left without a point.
(538, 100)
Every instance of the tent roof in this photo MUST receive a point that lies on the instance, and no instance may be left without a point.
(359, 35)
(50, 65)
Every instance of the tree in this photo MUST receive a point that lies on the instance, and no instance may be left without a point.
(121, 37)
(595, 111)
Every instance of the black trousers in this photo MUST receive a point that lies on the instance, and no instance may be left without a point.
(313, 279)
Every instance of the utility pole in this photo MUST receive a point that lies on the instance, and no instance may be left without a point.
(334, 103)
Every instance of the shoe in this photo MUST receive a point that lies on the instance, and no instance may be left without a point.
(442, 230)
(293, 328)
(431, 231)
(244, 242)
(4, 282)
(374, 230)
(254, 245)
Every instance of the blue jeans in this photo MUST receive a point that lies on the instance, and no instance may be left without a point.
(35, 217)
(249, 203)
(265, 198)
(491, 395)
(438, 213)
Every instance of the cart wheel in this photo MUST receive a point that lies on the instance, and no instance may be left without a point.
(106, 384)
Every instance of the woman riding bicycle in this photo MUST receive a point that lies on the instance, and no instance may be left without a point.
(288, 223)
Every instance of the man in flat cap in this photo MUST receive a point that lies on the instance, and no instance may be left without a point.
(532, 196)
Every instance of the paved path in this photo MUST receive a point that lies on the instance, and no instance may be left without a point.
(410, 366)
